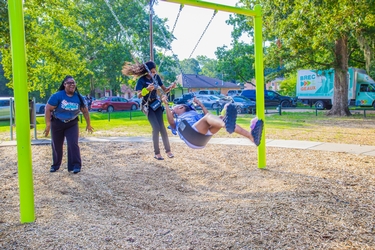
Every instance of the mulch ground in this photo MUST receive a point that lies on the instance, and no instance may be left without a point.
(215, 198)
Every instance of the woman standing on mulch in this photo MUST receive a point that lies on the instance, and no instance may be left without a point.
(146, 87)
(61, 116)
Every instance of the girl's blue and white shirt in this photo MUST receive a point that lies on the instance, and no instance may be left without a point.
(191, 117)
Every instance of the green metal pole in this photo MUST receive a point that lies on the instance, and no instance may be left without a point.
(259, 76)
(259, 71)
(25, 174)
(214, 6)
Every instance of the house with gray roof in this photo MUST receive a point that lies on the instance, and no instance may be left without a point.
(193, 83)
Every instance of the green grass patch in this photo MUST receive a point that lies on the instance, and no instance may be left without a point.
(135, 123)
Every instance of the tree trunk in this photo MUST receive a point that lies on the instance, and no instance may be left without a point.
(340, 90)
(92, 88)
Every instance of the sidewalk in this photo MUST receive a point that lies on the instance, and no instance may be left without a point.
(307, 145)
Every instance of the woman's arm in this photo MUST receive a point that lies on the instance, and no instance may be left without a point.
(167, 90)
(47, 117)
(143, 92)
(86, 114)
(169, 113)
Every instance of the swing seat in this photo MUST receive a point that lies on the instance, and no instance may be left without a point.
(191, 135)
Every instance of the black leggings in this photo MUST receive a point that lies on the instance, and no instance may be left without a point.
(157, 123)
(70, 131)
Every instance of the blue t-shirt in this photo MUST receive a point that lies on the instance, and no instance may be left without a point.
(143, 82)
(67, 108)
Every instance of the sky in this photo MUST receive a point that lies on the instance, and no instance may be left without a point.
(190, 26)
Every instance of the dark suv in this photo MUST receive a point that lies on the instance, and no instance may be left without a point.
(271, 98)
(184, 98)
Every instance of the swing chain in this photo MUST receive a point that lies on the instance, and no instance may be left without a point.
(176, 59)
(178, 15)
(174, 26)
(215, 11)
(122, 29)
(184, 79)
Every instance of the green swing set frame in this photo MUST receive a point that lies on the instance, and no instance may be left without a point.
(17, 36)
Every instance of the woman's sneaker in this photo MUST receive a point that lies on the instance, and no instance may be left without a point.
(76, 170)
(53, 169)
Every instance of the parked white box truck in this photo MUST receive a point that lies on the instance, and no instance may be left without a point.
(315, 87)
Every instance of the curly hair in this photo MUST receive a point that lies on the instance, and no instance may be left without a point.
(137, 69)
(62, 87)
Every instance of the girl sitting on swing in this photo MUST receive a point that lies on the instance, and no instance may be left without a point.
(197, 129)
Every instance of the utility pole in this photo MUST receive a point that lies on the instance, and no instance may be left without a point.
(151, 32)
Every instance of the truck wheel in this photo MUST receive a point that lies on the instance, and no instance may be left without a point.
(41, 110)
(285, 104)
(319, 105)
(215, 106)
(239, 109)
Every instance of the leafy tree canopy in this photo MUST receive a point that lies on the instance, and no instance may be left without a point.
(319, 34)
(82, 39)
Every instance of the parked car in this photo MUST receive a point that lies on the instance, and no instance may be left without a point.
(208, 92)
(113, 103)
(5, 108)
(271, 98)
(185, 98)
(209, 101)
(136, 99)
(39, 108)
(234, 92)
(225, 99)
(243, 104)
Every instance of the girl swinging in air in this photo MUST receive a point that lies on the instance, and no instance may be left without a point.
(197, 129)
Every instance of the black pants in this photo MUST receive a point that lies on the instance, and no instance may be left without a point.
(70, 131)
(157, 123)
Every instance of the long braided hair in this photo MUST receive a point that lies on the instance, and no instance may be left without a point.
(137, 69)
(62, 87)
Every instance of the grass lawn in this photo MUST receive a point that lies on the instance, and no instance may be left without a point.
(304, 125)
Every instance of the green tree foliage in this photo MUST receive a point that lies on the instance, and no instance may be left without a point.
(209, 67)
(320, 34)
(49, 58)
(4, 27)
(190, 66)
(236, 64)
(4, 90)
(167, 68)
(288, 85)
(83, 39)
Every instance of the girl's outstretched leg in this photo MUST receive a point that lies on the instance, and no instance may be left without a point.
(255, 133)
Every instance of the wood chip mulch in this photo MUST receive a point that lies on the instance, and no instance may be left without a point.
(215, 198)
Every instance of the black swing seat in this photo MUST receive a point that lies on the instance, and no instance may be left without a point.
(191, 135)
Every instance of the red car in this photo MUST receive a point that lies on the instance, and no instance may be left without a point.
(113, 103)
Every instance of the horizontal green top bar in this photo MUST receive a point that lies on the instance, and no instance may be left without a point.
(220, 7)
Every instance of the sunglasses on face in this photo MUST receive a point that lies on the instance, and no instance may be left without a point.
(70, 83)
